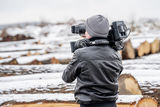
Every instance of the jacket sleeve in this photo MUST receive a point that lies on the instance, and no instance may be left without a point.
(73, 69)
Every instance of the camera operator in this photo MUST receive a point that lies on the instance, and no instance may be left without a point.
(96, 65)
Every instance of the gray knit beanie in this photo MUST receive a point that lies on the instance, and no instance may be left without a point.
(97, 26)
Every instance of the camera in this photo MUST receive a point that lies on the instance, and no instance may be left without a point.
(79, 29)
(117, 33)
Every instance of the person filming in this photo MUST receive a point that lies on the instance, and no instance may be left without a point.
(96, 63)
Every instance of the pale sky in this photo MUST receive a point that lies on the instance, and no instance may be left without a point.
(13, 11)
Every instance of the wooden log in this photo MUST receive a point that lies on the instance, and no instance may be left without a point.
(52, 60)
(15, 38)
(3, 34)
(147, 47)
(10, 70)
(11, 62)
(67, 100)
(36, 83)
(62, 104)
(148, 83)
(128, 85)
(139, 51)
(128, 51)
(145, 64)
(139, 48)
(138, 102)
(64, 61)
(155, 46)
(35, 60)
(28, 54)
(51, 86)
(142, 45)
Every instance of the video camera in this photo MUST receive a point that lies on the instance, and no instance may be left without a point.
(116, 36)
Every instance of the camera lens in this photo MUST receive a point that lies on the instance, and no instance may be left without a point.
(79, 29)
(73, 29)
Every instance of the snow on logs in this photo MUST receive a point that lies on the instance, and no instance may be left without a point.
(67, 100)
(7, 37)
(14, 61)
(50, 58)
(133, 48)
(11, 70)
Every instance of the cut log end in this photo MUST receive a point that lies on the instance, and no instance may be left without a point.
(155, 46)
(147, 102)
(147, 47)
(128, 51)
(128, 85)
(140, 50)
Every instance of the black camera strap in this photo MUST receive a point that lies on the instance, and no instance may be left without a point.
(99, 42)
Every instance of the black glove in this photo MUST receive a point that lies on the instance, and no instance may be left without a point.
(82, 43)
(119, 45)
(79, 44)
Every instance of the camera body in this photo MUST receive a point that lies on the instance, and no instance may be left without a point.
(117, 33)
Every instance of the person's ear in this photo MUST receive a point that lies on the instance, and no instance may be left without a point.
(87, 35)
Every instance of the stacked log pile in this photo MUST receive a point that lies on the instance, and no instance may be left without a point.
(67, 100)
(36, 61)
(128, 85)
(140, 48)
(49, 90)
(34, 55)
(6, 37)
(129, 52)
(135, 47)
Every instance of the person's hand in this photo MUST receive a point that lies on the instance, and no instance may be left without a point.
(81, 43)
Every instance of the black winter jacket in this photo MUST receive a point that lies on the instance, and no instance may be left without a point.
(97, 69)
